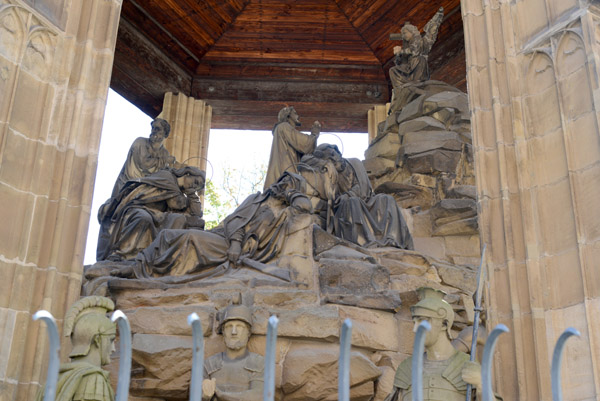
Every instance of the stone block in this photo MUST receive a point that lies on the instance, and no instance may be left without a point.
(431, 246)
(447, 100)
(6, 284)
(531, 18)
(576, 95)
(553, 165)
(321, 323)
(387, 147)
(586, 192)
(412, 110)
(463, 245)
(284, 299)
(158, 298)
(554, 203)
(590, 256)
(371, 329)
(429, 162)
(30, 114)
(425, 123)
(423, 180)
(378, 165)
(564, 280)
(423, 141)
(422, 226)
(170, 320)
(16, 221)
(349, 276)
(583, 142)
(310, 373)
(458, 277)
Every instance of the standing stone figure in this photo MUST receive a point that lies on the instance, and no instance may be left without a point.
(289, 144)
(446, 371)
(411, 58)
(236, 374)
(92, 337)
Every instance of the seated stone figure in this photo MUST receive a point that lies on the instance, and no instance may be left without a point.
(92, 336)
(166, 199)
(252, 235)
(236, 374)
(359, 215)
(446, 371)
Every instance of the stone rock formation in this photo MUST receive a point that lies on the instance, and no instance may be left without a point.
(423, 157)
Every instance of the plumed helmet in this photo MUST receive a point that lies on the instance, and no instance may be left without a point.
(236, 312)
(85, 320)
(431, 304)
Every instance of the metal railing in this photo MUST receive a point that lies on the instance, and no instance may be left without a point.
(270, 352)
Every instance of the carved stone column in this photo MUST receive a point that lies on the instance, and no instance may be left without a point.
(55, 65)
(190, 128)
(376, 115)
(533, 79)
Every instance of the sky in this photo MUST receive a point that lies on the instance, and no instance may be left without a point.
(123, 123)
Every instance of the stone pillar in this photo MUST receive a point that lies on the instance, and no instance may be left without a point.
(190, 128)
(376, 115)
(55, 65)
(533, 79)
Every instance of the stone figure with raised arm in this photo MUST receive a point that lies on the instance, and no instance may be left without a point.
(236, 374)
(289, 144)
(446, 371)
(92, 337)
(411, 58)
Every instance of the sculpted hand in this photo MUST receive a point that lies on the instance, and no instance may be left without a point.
(316, 128)
(209, 386)
(234, 251)
(471, 374)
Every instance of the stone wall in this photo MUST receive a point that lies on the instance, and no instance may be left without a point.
(55, 64)
(533, 79)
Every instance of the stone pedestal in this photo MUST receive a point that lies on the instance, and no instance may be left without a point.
(55, 64)
(533, 79)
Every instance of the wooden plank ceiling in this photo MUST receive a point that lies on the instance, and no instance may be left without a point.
(248, 58)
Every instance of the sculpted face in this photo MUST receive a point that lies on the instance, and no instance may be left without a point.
(294, 118)
(437, 329)
(158, 133)
(236, 334)
(107, 348)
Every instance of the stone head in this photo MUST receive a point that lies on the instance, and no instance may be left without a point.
(160, 130)
(190, 178)
(90, 329)
(409, 31)
(436, 311)
(289, 114)
(236, 326)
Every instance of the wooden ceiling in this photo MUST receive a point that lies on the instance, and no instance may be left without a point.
(248, 58)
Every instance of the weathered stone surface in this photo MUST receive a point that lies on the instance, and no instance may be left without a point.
(169, 320)
(378, 165)
(412, 110)
(457, 277)
(349, 276)
(453, 100)
(433, 161)
(455, 217)
(372, 329)
(424, 123)
(310, 373)
(423, 141)
(321, 323)
(387, 147)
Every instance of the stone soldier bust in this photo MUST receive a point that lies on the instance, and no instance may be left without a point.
(92, 337)
(446, 371)
(236, 374)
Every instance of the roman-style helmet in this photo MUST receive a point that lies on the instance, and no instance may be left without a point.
(236, 312)
(431, 304)
(87, 319)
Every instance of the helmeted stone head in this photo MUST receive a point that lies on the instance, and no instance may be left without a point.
(86, 323)
(432, 305)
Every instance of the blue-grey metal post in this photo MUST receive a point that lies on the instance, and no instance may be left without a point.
(486, 362)
(478, 295)
(125, 357)
(197, 357)
(269, 385)
(344, 361)
(417, 360)
(54, 362)
(557, 360)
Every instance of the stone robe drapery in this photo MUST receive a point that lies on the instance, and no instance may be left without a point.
(366, 218)
(130, 221)
(288, 147)
(141, 161)
(261, 224)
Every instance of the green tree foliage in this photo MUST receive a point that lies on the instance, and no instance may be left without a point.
(222, 198)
